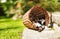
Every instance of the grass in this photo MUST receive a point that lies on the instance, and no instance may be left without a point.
(11, 29)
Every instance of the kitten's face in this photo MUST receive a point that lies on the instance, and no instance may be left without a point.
(42, 21)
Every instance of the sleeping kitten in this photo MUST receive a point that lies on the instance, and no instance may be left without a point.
(40, 24)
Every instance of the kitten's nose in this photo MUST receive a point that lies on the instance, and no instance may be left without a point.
(43, 26)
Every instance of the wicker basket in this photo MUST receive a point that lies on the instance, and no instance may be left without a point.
(34, 12)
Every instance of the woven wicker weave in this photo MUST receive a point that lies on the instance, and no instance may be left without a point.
(37, 10)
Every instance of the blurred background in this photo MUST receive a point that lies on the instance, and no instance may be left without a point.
(11, 12)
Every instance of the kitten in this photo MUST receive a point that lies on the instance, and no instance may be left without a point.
(40, 24)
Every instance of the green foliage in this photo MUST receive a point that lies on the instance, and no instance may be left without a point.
(28, 6)
(50, 5)
(8, 5)
(10, 29)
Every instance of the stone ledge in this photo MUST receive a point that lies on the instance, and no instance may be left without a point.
(45, 34)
